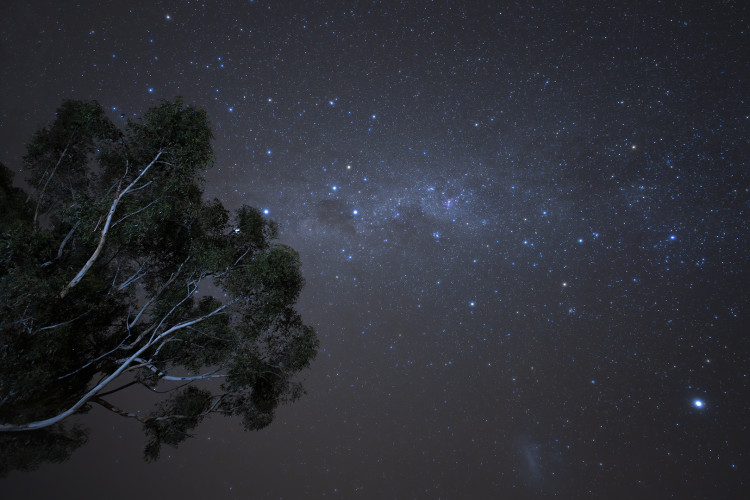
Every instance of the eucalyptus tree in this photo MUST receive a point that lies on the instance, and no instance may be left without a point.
(116, 272)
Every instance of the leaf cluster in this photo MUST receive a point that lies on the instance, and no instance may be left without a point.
(118, 267)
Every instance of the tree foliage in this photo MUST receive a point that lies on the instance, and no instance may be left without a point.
(106, 274)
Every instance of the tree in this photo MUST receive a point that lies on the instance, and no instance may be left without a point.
(116, 272)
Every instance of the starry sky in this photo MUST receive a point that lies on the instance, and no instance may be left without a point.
(523, 227)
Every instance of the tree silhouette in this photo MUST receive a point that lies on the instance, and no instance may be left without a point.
(116, 269)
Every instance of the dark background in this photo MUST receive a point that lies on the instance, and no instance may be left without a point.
(523, 226)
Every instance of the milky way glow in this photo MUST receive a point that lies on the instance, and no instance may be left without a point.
(522, 229)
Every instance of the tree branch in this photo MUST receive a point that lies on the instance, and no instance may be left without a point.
(135, 277)
(105, 230)
(62, 245)
(50, 327)
(90, 362)
(39, 424)
(54, 169)
(139, 210)
(106, 404)
(130, 324)
(163, 375)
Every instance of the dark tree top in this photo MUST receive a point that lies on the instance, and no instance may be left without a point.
(116, 271)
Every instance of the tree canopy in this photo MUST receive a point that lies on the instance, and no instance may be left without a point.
(115, 271)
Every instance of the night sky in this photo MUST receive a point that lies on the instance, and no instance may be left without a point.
(524, 228)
